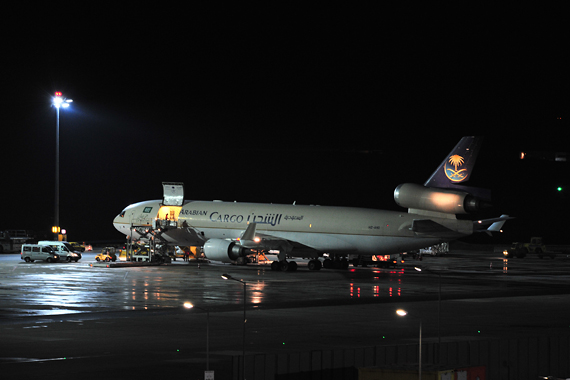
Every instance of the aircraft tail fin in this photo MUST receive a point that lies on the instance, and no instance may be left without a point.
(443, 194)
(456, 168)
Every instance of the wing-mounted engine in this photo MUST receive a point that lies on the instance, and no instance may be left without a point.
(446, 201)
(223, 250)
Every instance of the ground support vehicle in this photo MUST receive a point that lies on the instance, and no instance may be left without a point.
(77, 246)
(185, 253)
(31, 252)
(12, 240)
(107, 254)
(536, 246)
(379, 261)
(63, 249)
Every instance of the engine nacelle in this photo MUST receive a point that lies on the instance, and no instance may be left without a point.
(447, 201)
(223, 250)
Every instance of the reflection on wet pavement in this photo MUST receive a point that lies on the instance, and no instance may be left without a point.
(56, 289)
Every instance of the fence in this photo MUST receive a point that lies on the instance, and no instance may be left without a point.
(524, 358)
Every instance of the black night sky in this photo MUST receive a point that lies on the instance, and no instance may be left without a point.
(331, 106)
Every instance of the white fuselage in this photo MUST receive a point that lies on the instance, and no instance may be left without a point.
(320, 228)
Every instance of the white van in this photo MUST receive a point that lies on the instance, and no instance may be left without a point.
(31, 252)
(63, 249)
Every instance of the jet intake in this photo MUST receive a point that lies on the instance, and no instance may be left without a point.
(447, 201)
(223, 250)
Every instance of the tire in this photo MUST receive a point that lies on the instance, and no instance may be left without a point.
(49, 260)
(292, 266)
(314, 265)
(98, 259)
(28, 260)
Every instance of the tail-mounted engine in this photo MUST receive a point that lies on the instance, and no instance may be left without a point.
(446, 201)
(223, 250)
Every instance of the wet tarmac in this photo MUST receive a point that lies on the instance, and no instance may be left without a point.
(68, 320)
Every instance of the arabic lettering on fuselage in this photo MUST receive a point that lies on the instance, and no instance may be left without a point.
(217, 217)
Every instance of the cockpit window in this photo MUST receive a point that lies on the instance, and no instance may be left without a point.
(147, 210)
(122, 215)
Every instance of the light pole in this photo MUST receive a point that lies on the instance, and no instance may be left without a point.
(228, 277)
(189, 305)
(438, 311)
(57, 101)
(403, 313)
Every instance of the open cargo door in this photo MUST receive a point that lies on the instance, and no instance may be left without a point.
(173, 194)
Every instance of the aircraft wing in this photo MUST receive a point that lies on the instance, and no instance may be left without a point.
(254, 240)
(270, 242)
(431, 228)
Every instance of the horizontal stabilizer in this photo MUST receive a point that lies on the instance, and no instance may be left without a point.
(496, 224)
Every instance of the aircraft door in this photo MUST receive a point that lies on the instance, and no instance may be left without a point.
(173, 194)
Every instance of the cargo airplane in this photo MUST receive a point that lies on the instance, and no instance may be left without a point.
(231, 231)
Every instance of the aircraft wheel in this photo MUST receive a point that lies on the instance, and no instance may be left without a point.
(314, 264)
(292, 266)
(275, 265)
(284, 266)
(328, 264)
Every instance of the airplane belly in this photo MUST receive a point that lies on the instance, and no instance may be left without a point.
(359, 244)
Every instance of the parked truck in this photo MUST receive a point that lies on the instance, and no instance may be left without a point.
(536, 246)
(12, 240)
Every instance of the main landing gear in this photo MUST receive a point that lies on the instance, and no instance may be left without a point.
(291, 266)
(284, 266)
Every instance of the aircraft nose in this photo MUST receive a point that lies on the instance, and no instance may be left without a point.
(117, 222)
